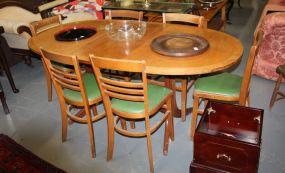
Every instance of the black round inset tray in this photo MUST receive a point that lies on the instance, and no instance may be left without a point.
(75, 33)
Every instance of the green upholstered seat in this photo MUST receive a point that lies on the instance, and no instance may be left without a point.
(225, 84)
(92, 89)
(155, 95)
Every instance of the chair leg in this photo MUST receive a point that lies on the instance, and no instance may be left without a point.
(49, 82)
(274, 94)
(194, 116)
(49, 88)
(247, 103)
(170, 120)
(169, 130)
(184, 83)
(149, 147)
(166, 138)
(111, 137)
(64, 121)
(94, 110)
(123, 124)
(239, 4)
(133, 124)
(91, 132)
(5, 52)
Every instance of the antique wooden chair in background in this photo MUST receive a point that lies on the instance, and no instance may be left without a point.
(281, 71)
(124, 14)
(222, 87)
(133, 101)
(37, 27)
(77, 89)
(185, 85)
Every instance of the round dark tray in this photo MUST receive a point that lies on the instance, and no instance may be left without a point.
(75, 33)
(179, 44)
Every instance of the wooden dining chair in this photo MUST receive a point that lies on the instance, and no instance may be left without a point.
(40, 26)
(186, 18)
(280, 70)
(222, 87)
(124, 14)
(185, 84)
(133, 101)
(77, 89)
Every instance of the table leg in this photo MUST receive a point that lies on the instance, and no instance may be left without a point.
(230, 7)
(223, 17)
(170, 83)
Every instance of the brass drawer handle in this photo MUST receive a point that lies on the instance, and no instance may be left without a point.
(211, 110)
(224, 156)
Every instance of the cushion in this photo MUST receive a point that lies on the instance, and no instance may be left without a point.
(271, 51)
(91, 9)
(155, 95)
(225, 84)
(92, 89)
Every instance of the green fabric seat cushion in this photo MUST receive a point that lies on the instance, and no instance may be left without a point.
(155, 95)
(92, 89)
(226, 84)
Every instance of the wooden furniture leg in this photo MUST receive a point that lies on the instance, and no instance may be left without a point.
(229, 9)
(170, 83)
(239, 4)
(4, 52)
(3, 100)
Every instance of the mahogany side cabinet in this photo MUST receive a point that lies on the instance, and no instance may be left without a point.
(227, 139)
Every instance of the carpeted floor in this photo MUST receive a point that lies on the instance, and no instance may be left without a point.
(16, 159)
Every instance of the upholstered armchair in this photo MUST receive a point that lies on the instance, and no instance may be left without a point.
(16, 16)
(271, 6)
(271, 52)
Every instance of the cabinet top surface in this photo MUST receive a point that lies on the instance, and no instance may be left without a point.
(232, 122)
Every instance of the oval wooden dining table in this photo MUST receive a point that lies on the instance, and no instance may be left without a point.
(224, 50)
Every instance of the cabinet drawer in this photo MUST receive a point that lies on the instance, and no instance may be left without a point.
(197, 168)
(220, 155)
(227, 155)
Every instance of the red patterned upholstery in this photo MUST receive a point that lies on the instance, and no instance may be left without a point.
(271, 51)
(92, 7)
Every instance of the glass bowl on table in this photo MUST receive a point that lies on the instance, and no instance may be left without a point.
(126, 30)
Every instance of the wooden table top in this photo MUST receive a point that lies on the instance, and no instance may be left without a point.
(223, 52)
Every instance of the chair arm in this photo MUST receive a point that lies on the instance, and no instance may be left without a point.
(16, 27)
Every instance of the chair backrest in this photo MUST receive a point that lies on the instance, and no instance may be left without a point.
(244, 91)
(44, 24)
(121, 89)
(186, 18)
(64, 79)
(125, 14)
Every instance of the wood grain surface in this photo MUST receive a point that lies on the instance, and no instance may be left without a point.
(224, 50)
